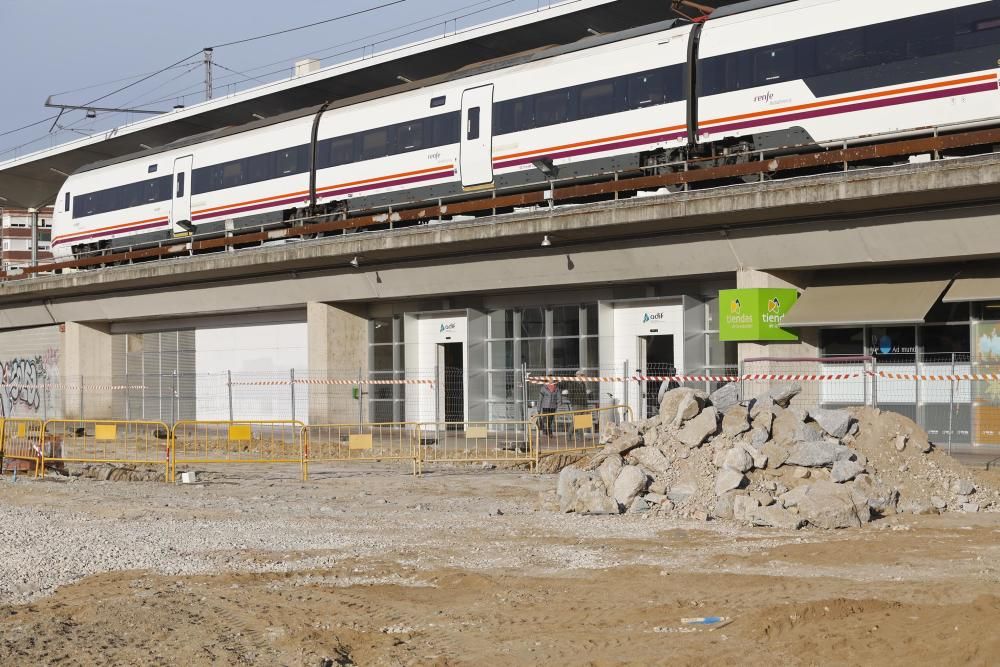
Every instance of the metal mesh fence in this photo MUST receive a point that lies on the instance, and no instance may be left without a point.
(829, 382)
(939, 392)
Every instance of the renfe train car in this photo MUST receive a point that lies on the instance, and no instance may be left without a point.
(763, 76)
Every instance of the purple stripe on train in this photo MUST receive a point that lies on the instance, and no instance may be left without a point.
(586, 150)
(112, 232)
(321, 194)
(849, 108)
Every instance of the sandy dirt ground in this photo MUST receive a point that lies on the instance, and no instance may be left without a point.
(370, 566)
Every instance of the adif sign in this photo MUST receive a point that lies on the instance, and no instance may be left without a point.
(755, 314)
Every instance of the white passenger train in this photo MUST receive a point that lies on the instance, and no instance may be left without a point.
(762, 75)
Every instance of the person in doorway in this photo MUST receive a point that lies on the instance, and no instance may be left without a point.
(548, 403)
(668, 384)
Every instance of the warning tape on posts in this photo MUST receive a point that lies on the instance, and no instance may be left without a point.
(780, 377)
(981, 377)
(355, 381)
(74, 386)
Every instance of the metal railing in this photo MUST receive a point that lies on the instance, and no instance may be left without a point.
(22, 440)
(106, 441)
(351, 443)
(241, 442)
(577, 430)
(477, 442)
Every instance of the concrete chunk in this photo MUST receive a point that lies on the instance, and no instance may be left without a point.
(735, 420)
(630, 483)
(725, 397)
(818, 454)
(828, 505)
(845, 471)
(782, 396)
(700, 428)
(651, 459)
(777, 517)
(728, 480)
(834, 422)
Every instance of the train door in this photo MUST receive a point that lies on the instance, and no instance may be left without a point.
(477, 136)
(180, 212)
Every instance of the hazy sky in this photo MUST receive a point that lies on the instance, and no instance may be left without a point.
(58, 46)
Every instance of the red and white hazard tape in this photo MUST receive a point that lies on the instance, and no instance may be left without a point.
(285, 383)
(73, 386)
(779, 377)
(982, 377)
(684, 378)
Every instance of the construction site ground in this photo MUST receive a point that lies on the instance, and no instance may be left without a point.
(368, 565)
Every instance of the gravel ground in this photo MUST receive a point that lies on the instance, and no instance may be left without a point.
(253, 566)
(469, 520)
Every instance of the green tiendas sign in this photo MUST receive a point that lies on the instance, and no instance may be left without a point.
(755, 314)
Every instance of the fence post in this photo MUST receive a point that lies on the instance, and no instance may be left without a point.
(951, 404)
(875, 377)
(175, 405)
(229, 391)
(625, 392)
(291, 376)
(524, 391)
(81, 398)
(361, 399)
(864, 381)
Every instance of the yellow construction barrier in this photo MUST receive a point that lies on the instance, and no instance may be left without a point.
(478, 442)
(21, 440)
(106, 441)
(391, 441)
(207, 442)
(578, 430)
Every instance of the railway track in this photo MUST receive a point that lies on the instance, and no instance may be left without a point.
(680, 176)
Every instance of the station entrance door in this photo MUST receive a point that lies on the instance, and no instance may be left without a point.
(655, 358)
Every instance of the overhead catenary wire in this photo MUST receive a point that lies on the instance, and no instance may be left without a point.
(180, 94)
(309, 25)
(430, 21)
(199, 53)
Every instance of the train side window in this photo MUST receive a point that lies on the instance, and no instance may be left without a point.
(260, 168)
(66, 204)
(597, 99)
(180, 184)
(410, 136)
(884, 45)
(152, 191)
(552, 108)
(929, 35)
(472, 129)
(287, 162)
(773, 64)
(645, 90)
(840, 52)
(232, 174)
(341, 151)
(446, 129)
(374, 144)
(131, 195)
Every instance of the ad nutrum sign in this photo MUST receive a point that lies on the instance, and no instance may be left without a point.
(755, 314)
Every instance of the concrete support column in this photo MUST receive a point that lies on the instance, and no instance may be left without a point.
(87, 362)
(338, 348)
(806, 347)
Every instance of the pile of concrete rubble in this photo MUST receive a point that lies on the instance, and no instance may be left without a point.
(768, 462)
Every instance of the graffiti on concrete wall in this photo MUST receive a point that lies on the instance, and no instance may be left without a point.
(26, 384)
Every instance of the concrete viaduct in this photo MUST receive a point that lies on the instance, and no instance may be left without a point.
(932, 218)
